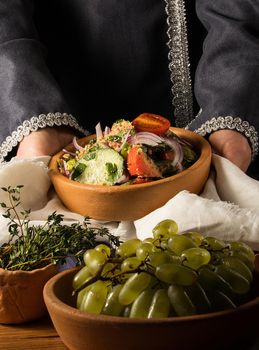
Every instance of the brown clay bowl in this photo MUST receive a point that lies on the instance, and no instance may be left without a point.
(84, 331)
(131, 202)
(21, 298)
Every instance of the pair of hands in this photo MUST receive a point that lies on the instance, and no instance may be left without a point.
(48, 141)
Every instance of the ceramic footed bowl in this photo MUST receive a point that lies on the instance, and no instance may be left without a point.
(85, 331)
(131, 202)
(21, 294)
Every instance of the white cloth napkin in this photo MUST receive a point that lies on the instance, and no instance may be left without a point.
(228, 207)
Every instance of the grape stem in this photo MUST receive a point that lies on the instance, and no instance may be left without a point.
(114, 278)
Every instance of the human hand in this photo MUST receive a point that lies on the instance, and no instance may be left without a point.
(232, 145)
(47, 141)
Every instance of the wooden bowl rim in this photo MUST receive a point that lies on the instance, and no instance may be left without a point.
(191, 136)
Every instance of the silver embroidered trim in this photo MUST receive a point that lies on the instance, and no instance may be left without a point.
(179, 64)
(233, 123)
(35, 123)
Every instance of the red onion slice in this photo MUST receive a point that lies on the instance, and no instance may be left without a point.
(177, 148)
(146, 138)
(66, 171)
(124, 178)
(179, 167)
(185, 143)
(76, 145)
(71, 153)
(98, 131)
(107, 130)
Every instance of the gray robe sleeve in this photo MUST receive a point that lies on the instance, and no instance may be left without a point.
(227, 77)
(29, 96)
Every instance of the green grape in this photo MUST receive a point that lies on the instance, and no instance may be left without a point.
(95, 297)
(95, 260)
(242, 247)
(141, 304)
(199, 298)
(112, 305)
(213, 243)
(163, 244)
(217, 256)
(133, 287)
(128, 248)
(144, 249)
(241, 255)
(81, 277)
(157, 258)
(195, 257)
(238, 283)
(178, 244)
(220, 301)
(175, 259)
(238, 265)
(165, 229)
(109, 269)
(175, 274)
(154, 282)
(195, 236)
(210, 280)
(156, 243)
(243, 252)
(160, 305)
(126, 312)
(130, 264)
(180, 301)
(103, 248)
(125, 276)
(81, 295)
(165, 275)
(148, 240)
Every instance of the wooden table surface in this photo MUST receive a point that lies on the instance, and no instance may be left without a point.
(37, 335)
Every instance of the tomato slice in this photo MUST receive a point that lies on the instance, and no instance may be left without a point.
(151, 123)
(139, 164)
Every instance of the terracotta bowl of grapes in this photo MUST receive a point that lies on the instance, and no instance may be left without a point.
(159, 295)
(121, 173)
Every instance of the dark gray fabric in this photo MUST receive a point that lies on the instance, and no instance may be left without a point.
(26, 86)
(227, 77)
(109, 57)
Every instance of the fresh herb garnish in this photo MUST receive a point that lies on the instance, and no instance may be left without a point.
(112, 170)
(78, 170)
(35, 246)
(114, 138)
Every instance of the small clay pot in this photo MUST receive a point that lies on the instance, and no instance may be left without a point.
(21, 294)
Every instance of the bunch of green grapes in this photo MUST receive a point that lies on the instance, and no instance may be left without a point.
(169, 274)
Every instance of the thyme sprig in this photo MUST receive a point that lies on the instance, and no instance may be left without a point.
(35, 246)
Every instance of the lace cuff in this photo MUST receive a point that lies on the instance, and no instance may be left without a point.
(232, 123)
(35, 123)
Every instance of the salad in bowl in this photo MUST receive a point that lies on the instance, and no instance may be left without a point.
(140, 151)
